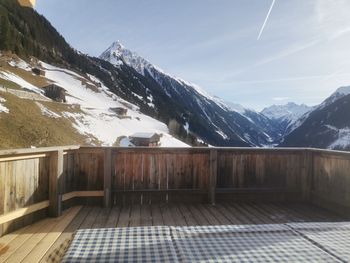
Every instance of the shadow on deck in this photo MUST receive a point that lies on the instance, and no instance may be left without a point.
(36, 242)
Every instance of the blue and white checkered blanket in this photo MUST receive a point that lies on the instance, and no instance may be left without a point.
(321, 242)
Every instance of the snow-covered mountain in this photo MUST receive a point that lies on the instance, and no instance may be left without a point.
(326, 126)
(289, 112)
(286, 117)
(208, 117)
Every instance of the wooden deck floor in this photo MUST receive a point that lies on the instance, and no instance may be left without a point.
(35, 242)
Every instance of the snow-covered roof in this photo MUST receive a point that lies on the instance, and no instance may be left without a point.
(145, 135)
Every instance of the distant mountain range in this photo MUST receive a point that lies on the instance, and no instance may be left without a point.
(285, 117)
(326, 126)
(186, 111)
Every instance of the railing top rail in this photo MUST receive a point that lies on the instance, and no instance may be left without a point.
(29, 151)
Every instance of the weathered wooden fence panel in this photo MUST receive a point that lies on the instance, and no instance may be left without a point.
(331, 181)
(22, 183)
(157, 176)
(266, 171)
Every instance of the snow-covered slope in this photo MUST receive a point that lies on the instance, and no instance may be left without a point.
(339, 93)
(94, 101)
(210, 118)
(327, 126)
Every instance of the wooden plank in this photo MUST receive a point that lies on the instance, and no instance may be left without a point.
(90, 218)
(11, 242)
(146, 215)
(135, 216)
(213, 175)
(67, 233)
(42, 247)
(101, 220)
(23, 211)
(199, 218)
(177, 216)
(186, 213)
(124, 217)
(23, 157)
(227, 215)
(237, 214)
(166, 215)
(56, 171)
(157, 218)
(113, 218)
(74, 194)
(107, 180)
(37, 150)
(273, 218)
(212, 220)
(29, 244)
(259, 217)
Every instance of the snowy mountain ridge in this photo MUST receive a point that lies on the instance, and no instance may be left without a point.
(290, 111)
(228, 120)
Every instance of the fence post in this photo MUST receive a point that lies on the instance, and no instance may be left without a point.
(55, 179)
(107, 177)
(213, 160)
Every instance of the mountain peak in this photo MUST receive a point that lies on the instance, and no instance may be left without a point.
(117, 45)
(345, 90)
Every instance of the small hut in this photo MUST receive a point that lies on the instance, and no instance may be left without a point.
(55, 93)
(145, 139)
(39, 72)
(119, 111)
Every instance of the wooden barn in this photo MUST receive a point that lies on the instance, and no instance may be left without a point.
(145, 139)
(39, 72)
(55, 93)
(120, 111)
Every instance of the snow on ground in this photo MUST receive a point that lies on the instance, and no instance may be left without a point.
(46, 112)
(2, 107)
(343, 139)
(19, 81)
(19, 63)
(96, 119)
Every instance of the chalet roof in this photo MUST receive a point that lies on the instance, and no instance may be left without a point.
(145, 135)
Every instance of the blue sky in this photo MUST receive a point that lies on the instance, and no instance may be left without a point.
(303, 53)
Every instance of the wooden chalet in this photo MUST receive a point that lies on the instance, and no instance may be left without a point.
(55, 93)
(145, 139)
(120, 111)
(39, 72)
(48, 194)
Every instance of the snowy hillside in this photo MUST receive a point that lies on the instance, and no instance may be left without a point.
(94, 116)
(207, 116)
(327, 126)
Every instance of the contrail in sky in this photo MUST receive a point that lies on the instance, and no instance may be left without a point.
(267, 18)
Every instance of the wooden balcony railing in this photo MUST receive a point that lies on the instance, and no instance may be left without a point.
(39, 182)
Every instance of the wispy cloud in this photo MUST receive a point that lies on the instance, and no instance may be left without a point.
(290, 79)
(281, 98)
(266, 19)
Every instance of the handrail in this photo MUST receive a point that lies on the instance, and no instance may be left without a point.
(26, 151)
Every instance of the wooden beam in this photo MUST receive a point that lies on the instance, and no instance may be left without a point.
(213, 175)
(37, 150)
(23, 211)
(71, 195)
(22, 157)
(107, 180)
(55, 176)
